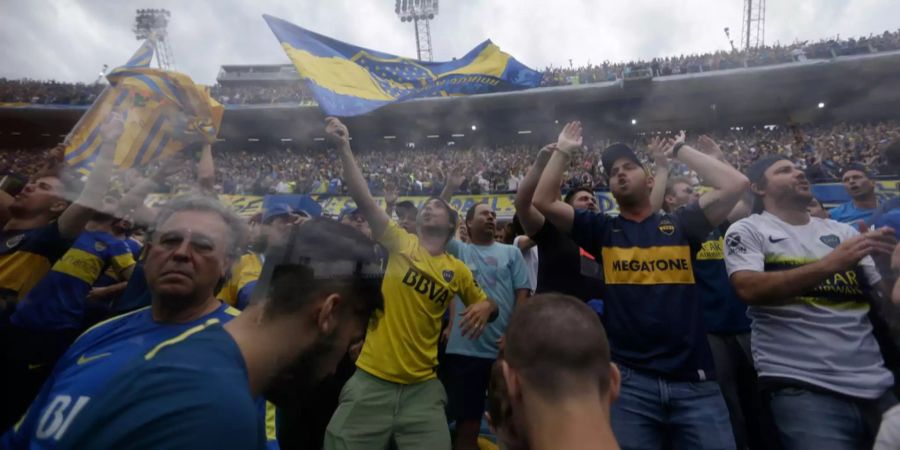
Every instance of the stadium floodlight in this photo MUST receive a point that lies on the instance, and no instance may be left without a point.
(252, 140)
(524, 132)
(474, 128)
(420, 12)
(433, 136)
(319, 139)
(390, 137)
(457, 135)
(154, 23)
(286, 140)
(634, 121)
(821, 105)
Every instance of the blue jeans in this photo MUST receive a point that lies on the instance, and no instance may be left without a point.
(655, 413)
(818, 421)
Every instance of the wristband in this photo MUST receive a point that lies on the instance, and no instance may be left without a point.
(676, 148)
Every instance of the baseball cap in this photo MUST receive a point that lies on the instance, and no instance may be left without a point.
(281, 210)
(616, 152)
(757, 172)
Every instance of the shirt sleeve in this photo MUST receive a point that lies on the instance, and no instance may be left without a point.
(396, 239)
(469, 291)
(120, 256)
(519, 270)
(587, 230)
(743, 248)
(455, 248)
(694, 223)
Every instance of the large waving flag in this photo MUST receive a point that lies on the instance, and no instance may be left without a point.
(347, 80)
(164, 112)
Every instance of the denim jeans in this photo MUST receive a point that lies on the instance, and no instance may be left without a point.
(751, 423)
(655, 413)
(818, 421)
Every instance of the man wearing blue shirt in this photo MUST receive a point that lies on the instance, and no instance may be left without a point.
(863, 201)
(652, 308)
(197, 390)
(888, 214)
(500, 270)
(194, 242)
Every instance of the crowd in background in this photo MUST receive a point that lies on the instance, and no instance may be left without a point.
(822, 150)
(52, 92)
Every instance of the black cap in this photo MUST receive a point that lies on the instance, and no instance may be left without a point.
(758, 169)
(757, 172)
(855, 166)
(616, 152)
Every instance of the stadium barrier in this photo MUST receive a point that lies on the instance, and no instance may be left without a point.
(830, 194)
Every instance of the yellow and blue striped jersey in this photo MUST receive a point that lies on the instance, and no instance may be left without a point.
(244, 275)
(26, 256)
(57, 302)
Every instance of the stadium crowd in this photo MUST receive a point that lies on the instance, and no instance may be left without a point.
(821, 150)
(53, 92)
(291, 331)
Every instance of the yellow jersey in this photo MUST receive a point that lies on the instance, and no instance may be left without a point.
(402, 340)
(244, 275)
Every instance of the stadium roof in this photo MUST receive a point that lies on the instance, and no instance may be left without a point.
(863, 87)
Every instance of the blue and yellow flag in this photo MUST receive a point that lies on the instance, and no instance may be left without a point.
(347, 80)
(164, 112)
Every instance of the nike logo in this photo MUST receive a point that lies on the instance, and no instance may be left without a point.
(86, 359)
(775, 241)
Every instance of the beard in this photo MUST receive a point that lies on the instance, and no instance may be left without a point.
(298, 380)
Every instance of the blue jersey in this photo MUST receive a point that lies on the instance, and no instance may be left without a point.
(57, 302)
(191, 391)
(88, 366)
(849, 213)
(652, 310)
(26, 256)
(723, 311)
(887, 215)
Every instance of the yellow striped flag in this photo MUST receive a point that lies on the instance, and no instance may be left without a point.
(164, 112)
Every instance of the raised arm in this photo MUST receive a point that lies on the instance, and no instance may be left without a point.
(531, 219)
(353, 177)
(206, 170)
(727, 183)
(390, 199)
(72, 221)
(453, 182)
(658, 147)
(546, 197)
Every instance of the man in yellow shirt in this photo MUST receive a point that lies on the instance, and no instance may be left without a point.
(395, 396)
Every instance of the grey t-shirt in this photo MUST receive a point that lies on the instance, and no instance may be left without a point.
(823, 337)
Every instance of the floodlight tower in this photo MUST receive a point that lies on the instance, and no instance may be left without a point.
(154, 23)
(420, 12)
(753, 34)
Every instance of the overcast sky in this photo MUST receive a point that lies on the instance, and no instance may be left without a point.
(72, 39)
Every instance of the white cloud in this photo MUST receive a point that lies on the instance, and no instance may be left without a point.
(71, 40)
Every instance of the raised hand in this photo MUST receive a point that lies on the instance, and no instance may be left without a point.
(457, 176)
(679, 137)
(570, 138)
(660, 149)
(113, 127)
(336, 130)
(708, 146)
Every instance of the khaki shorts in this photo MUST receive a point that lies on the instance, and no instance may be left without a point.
(373, 412)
